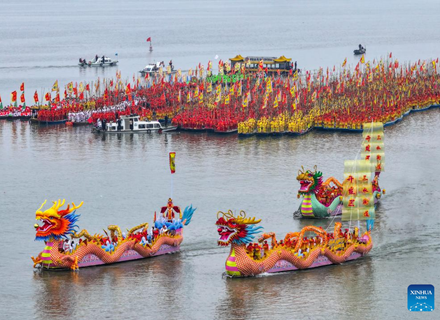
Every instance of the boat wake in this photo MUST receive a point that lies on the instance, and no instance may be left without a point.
(38, 67)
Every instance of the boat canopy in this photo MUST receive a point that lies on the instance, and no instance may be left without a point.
(237, 58)
(256, 59)
(282, 59)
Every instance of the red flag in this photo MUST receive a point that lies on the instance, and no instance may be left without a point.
(14, 96)
(22, 98)
(47, 96)
(22, 86)
(81, 95)
(149, 39)
(391, 55)
(36, 96)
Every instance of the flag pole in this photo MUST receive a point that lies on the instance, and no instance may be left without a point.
(171, 193)
(172, 158)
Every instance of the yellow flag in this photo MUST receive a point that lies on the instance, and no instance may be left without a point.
(55, 86)
(172, 162)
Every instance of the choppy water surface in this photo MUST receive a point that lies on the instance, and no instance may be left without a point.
(123, 180)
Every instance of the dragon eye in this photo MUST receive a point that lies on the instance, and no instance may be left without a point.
(51, 218)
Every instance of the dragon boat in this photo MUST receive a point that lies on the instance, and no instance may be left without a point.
(295, 252)
(85, 250)
(324, 199)
(312, 246)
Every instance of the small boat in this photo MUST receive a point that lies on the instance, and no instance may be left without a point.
(133, 124)
(153, 69)
(361, 50)
(114, 246)
(98, 62)
(325, 199)
(225, 131)
(46, 122)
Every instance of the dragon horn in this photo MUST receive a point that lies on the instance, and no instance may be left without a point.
(243, 220)
(74, 207)
(58, 204)
(39, 210)
(316, 168)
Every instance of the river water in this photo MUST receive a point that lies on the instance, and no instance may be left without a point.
(123, 180)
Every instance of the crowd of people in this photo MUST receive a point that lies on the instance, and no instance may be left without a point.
(261, 250)
(261, 102)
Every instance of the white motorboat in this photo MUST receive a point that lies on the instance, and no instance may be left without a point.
(153, 68)
(133, 124)
(98, 62)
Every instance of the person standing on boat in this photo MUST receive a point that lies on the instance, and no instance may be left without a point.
(96, 58)
(166, 121)
(103, 59)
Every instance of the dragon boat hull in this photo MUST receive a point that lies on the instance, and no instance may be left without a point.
(92, 255)
(321, 261)
(91, 260)
(239, 264)
(326, 212)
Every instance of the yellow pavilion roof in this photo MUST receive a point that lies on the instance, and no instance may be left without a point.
(282, 59)
(238, 57)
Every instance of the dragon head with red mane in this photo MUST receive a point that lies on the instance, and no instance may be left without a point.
(239, 230)
(56, 224)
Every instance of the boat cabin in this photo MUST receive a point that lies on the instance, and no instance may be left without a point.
(151, 68)
(273, 64)
(132, 123)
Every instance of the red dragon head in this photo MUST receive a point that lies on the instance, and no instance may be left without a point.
(56, 223)
(239, 230)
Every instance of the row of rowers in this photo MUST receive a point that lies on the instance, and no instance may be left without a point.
(262, 249)
(169, 222)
